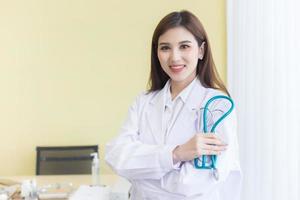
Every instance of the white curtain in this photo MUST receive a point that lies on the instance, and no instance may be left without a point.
(264, 80)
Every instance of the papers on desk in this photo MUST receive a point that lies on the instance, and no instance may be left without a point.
(8, 182)
(8, 188)
(88, 192)
(53, 196)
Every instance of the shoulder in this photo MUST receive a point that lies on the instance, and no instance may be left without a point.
(216, 94)
(206, 92)
(218, 99)
(144, 98)
(211, 92)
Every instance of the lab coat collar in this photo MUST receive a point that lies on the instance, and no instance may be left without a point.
(196, 96)
(193, 99)
(183, 95)
(157, 106)
(159, 98)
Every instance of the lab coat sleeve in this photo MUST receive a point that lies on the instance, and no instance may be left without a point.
(131, 158)
(189, 181)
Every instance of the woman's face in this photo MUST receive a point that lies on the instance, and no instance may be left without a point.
(178, 53)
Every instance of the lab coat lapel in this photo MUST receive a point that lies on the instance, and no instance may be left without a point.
(196, 97)
(154, 115)
(185, 126)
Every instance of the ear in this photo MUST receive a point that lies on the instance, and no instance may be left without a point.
(201, 50)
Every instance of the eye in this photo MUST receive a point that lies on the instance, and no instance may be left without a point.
(184, 46)
(164, 48)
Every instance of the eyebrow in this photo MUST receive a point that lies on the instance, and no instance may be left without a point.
(182, 42)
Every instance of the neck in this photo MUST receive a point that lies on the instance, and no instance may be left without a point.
(177, 87)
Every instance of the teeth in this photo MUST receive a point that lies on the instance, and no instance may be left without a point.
(177, 66)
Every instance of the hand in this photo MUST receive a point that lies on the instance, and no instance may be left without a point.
(200, 144)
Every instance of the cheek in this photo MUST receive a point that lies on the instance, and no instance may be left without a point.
(193, 58)
(163, 58)
(192, 54)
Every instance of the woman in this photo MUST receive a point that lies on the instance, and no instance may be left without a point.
(162, 134)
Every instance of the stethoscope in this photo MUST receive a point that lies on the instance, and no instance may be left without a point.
(212, 165)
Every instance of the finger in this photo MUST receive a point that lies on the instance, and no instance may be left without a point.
(206, 135)
(213, 147)
(212, 141)
(211, 135)
(210, 152)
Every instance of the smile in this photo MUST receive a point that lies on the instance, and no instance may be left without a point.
(177, 68)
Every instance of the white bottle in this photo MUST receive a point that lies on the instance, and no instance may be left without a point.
(95, 169)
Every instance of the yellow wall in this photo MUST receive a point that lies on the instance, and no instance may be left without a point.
(69, 69)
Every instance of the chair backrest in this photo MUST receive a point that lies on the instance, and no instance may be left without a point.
(58, 160)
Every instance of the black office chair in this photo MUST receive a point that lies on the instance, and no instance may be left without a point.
(64, 160)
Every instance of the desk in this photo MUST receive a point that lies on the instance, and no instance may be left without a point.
(117, 183)
(76, 180)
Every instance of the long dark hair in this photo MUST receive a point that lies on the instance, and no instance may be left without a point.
(206, 69)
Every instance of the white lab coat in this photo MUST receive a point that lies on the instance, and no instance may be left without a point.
(143, 154)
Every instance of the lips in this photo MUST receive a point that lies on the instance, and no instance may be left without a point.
(177, 68)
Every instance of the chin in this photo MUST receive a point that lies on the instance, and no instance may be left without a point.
(178, 79)
(182, 77)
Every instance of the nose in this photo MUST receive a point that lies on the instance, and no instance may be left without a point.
(175, 55)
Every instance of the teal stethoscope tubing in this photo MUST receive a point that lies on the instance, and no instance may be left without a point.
(213, 157)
